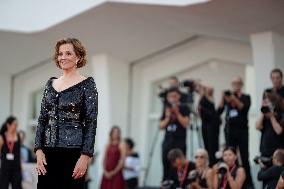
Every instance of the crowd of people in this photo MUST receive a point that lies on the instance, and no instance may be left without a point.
(65, 135)
(235, 105)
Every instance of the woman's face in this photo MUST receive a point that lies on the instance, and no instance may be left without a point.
(67, 57)
(200, 160)
(115, 134)
(229, 158)
(13, 126)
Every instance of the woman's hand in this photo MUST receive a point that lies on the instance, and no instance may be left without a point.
(41, 162)
(81, 167)
(108, 174)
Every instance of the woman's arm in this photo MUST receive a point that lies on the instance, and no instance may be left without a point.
(120, 165)
(184, 120)
(91, 113)
(209, 178)
(167, 116)
(1, 143)
(280, 184)
(42, 121)
(215, 179)
(259, 122)
(238, 182)
(276, 125)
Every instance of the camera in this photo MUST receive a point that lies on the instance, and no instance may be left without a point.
(222, 168)
(227, 93)
(171, 105)
(267, 108)
(192, 176)
(168, 184)
(267, 161)
(190, 84)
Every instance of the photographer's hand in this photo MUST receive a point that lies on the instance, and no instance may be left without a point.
(262, 166)
(239, 104)
(164, 123)
(183, 120)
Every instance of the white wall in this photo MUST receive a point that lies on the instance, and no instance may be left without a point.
(112, 76)
(5, 96)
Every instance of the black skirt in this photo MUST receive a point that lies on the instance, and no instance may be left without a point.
(60, 165)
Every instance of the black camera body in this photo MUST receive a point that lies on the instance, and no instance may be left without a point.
(265, 109)
(227, 93)
(192, 176)
(267, 161)
(190, 84)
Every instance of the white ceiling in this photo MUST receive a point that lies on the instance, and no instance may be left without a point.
(132, 31)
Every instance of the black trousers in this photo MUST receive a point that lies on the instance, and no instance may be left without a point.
(170, 143)
(239, 138)
(210, 135)
(60, 165)
(132, 183)
(11, 176)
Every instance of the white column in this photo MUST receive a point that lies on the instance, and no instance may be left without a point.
(5, 96)
(268, 54)
(111, 76)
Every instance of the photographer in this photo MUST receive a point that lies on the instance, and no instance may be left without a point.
(181, 169)
(271, 123)
(173, 82)
(229, 175)
(203, 172)
(174, 121)
(237, 106)
(271, 175)
(210, 122)
(276, 77)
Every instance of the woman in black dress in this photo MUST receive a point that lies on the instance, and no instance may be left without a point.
(10, 170)
(67, 123)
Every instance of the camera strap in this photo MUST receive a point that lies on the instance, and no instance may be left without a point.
(182, 177)
(225, 181)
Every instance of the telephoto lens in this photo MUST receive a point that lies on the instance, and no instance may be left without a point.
(222, 168)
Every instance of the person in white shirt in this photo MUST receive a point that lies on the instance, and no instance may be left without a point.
(131, 165)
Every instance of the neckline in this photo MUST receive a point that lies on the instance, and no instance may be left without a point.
(51, 82)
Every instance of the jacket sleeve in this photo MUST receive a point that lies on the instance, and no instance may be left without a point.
(42, 121)
(91, 113)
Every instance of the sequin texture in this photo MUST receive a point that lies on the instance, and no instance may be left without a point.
(68, 118)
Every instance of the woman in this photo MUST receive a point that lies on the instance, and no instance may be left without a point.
(235, 176)
(205, 177)
(67, 123)
(10, 145)
(271, 123)
(114, 162)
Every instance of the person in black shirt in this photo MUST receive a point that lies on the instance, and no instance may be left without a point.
(10, 145)
(234, 176)
(181, 168)
(271, 124)
(237, 106)
(174, 121)
(210, 122)
(271, 175)
(276, 77)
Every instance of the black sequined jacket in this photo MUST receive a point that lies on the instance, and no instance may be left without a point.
(68, 118)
